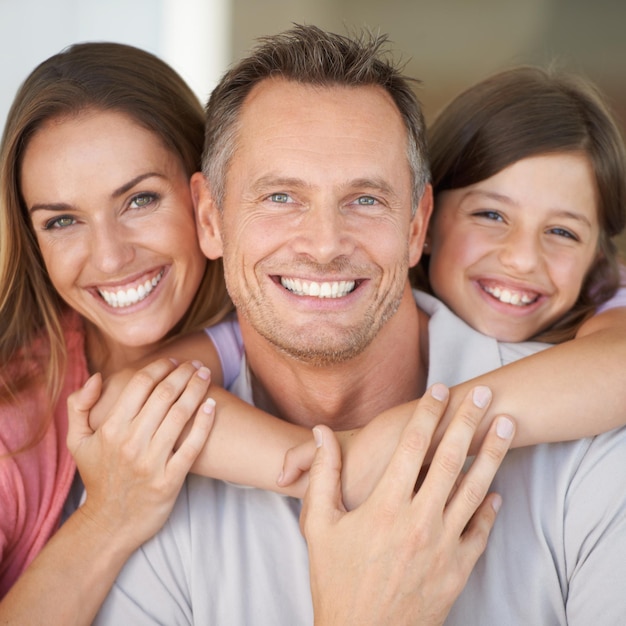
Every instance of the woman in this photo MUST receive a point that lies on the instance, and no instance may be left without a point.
(67, 251)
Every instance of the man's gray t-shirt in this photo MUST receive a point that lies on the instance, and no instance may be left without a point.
(557, 553)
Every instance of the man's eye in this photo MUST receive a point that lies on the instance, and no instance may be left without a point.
(366, 201)
(62, 221)
(281, 198)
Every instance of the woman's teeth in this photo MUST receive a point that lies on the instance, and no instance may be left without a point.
(336, 289)
(515, 298)
(128, 297)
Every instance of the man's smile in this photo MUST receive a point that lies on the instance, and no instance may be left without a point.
(332, 289)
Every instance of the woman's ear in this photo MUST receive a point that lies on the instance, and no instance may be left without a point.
(207, 217)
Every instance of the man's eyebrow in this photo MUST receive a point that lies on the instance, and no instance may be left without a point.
(264, 182)
(378, 184)
(63, 206)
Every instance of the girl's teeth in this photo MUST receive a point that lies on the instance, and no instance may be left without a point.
(128, 297)
(508, 297)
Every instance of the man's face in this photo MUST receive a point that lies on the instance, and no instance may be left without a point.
(316, 224)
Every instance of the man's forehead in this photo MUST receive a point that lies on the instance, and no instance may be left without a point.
(278, 92)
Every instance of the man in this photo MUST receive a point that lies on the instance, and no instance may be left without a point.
(314, 192)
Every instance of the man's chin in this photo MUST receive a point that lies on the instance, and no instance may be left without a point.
(322, 352)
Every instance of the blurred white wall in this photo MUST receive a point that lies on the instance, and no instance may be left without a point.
(191, 35)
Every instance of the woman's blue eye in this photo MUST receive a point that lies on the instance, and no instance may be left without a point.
(143, 200)
(62, 221)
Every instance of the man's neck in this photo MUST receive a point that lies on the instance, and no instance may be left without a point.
(392, 370)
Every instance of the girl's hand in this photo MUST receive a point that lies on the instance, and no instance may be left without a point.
(298, 461)
(134, 464)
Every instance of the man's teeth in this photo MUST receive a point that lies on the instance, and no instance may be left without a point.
(510, 297)
(335, 289)
(128, 297)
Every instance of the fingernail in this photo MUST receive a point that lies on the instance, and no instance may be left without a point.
(204, 373)
(197, 364)
(173, 360)
(90, 381)
(439, 392)
(504, 428)
(209, 406)
(279, 480)
(496, 502)
(317, 435)
(481, 396)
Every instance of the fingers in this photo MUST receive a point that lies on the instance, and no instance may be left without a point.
(83, 399)
(172, 403)
(297, 461)
(451, 454)
(136, 391)
(475, 537)
(193, 442)
(398, 481)
(322, 501)
(475, 484)
(79, 404)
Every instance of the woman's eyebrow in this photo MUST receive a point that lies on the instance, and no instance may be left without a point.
(135, 181)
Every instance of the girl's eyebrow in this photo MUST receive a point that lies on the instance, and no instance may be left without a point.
(125, 188)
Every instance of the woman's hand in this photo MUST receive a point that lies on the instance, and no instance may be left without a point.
(403, 557)
(134, 464)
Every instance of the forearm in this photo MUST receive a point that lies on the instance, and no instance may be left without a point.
(69, 579)
(569, 391)
(248, 446)
(572, 390)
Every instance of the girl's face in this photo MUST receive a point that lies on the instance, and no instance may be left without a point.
(113, 217)
(509, 254)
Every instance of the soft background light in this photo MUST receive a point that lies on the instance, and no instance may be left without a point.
(448, 44)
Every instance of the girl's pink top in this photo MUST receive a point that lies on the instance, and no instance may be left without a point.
(35, 483)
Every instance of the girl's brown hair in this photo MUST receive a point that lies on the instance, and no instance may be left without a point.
(525, 112)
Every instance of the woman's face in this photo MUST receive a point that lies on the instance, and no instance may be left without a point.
(113, 217)
(509, 254)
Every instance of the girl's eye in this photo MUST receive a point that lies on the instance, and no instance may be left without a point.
(280, 198)
(563, 232)
(490, 215)
(142, 200)
(63, 221)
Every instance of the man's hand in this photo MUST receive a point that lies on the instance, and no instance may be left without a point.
(403, 557)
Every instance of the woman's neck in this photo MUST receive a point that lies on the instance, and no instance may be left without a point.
(106, 356)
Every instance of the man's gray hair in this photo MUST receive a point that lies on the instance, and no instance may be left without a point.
(309, 55)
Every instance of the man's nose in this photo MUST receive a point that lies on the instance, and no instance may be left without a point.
(324, 234)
